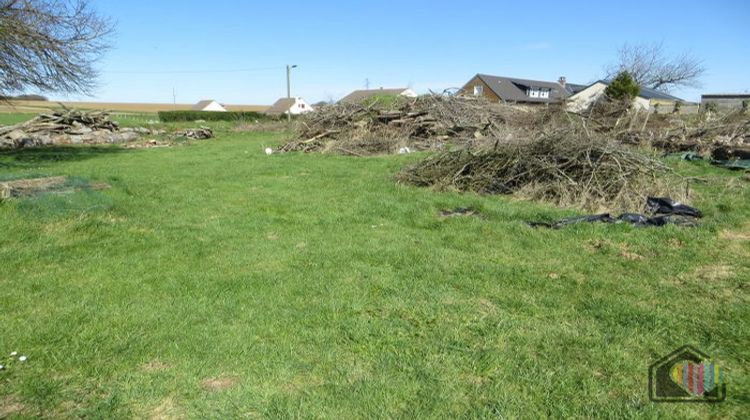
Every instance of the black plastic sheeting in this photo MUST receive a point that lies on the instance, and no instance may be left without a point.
(735, 165)
(662, 211)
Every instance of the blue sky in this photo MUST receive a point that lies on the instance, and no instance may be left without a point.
(235, 51)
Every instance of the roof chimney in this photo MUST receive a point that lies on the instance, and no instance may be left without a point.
(562, 81)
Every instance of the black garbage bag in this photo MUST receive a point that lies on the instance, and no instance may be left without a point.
(664, 210)
(633, 218)
(665, 205)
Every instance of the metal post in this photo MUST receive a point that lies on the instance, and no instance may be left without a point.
(288, 81)
(289, 88)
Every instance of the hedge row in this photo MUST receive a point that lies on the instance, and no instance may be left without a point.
(175, 116)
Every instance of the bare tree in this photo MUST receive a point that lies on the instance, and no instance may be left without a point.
(50, 45)
(651, 67)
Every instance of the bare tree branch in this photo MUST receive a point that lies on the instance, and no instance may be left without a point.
(50, 45)
(651, 67)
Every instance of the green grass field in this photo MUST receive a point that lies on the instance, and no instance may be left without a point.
(214, 281)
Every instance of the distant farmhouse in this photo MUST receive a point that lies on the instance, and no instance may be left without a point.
(726, 101)
(293, 106)
(209, 105)
(647, 100)
(515, 90)
(361, 95)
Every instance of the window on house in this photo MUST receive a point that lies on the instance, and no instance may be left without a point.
(302, 106)
(537, 93)
(478, 90)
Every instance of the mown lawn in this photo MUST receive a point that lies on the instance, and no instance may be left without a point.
(212, 280)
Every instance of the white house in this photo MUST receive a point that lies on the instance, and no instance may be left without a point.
(293, 106)
(645, 100)
(209, 105)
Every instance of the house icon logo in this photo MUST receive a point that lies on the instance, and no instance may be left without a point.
(686, 375)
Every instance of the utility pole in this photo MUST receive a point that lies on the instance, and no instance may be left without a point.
(289, 88)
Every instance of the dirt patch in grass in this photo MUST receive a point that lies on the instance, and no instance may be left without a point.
(52, 184)
(631, 256)
(10, 405)
(166, 410)
(714, 272)
(220, 383)
(302, 381)
(460, 211)
(155, 366)
(736, 235)
(23, 187)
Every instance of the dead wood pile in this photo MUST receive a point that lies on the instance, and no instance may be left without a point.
(565, 168)
(67, 127)
(201, 133)
(720, 137)
(424, 123)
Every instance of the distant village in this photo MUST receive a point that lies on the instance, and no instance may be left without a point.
(512, 90)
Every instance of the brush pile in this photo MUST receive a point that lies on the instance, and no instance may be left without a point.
(67, 127)
(424, 123)
(565, 168)
(723, 139)
(200, 133)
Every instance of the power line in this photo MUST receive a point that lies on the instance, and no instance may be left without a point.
(192, 71)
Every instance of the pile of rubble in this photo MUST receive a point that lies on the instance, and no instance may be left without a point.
(424, 123)
(69, 127)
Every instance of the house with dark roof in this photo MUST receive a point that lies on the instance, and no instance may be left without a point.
(515, 90)
(209, 105)
(362, 94)
(647, 99)
(293, 106)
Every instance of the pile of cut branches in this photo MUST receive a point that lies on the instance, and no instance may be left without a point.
(68, 122)
(424, 123)
(719, 136)
(724, 136)
(64, 127)
(565, 168)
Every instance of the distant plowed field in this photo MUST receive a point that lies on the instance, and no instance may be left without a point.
(38, 106)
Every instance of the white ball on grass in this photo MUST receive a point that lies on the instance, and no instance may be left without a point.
(269, 151)
(22, 358)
